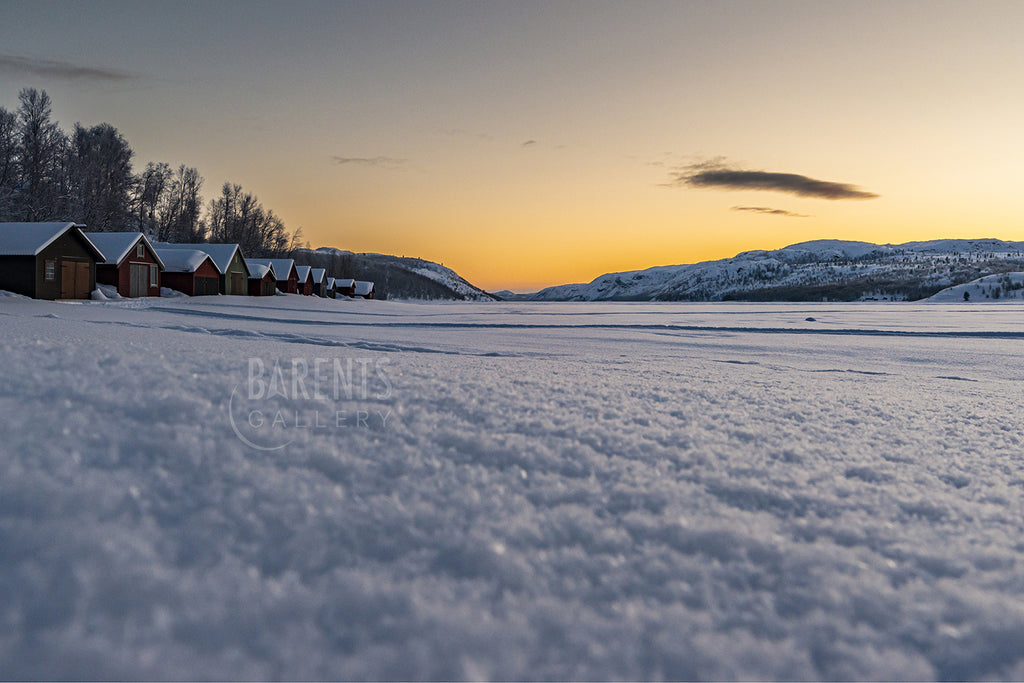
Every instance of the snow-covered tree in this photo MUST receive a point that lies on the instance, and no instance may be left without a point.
(40, 144)
(88, 178)
(101, 178)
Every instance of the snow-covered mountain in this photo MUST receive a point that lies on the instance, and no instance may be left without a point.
(809, 271)
(394, 277)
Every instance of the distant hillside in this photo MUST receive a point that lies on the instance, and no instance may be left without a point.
(810, 271)
(394, 277)
(1001, 287)
(509, 295)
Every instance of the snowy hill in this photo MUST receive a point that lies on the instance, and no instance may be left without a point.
(394, 277)
(809, 271)
(1001, 287)
(509, 295)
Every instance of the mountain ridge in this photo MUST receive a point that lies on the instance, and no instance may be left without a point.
(841, 270)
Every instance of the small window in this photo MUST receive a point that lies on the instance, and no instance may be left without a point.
(140, 250)
(51, 270)
(154, 274)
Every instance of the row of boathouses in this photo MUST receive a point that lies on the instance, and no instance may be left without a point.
(63, 261)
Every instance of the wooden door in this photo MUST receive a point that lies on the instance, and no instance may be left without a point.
(237, 283)
(67, 279)
(74, 279)
(206, 286)
(138, 279)
(83, 276)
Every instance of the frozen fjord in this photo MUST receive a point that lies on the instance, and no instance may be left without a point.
(559, 491)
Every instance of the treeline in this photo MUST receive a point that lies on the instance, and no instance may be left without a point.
(86, 176)
(906, 286)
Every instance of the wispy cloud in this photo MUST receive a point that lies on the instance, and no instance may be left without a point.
(715, 174)
(61, 69)
(530, 143)
(770, 211)
(373, 162)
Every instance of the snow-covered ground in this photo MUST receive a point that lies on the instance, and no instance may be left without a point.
(1003, 286)
(291, 487)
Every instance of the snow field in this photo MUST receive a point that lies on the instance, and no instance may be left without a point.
(595, 491)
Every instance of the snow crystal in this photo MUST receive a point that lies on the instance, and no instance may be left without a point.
(589, 491)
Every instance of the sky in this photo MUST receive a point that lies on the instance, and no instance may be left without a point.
(527, 144)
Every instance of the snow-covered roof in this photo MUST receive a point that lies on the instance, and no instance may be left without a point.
(117, 245)
(183, 260)
(220, 254)
(28, 239)
(258, 269)
(303, 272)
(363, 287)
(318, 274)
(344, 283)
(282, 266)
(330, 283)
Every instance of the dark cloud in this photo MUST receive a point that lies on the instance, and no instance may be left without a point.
(63, 70)
(716, 175)
(375, 162)
(770, 211)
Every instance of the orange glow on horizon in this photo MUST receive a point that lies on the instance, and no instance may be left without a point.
(534, 144)
(679, 226)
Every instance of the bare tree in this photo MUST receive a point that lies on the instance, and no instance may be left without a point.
(180, 217)
(276, 240)
(296, 241)
(238, 217)
(101, 178)
(8, 164)
(150, 188)
(40, 142)
(46, 175)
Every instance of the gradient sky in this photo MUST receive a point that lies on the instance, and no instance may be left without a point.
(526, 144)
